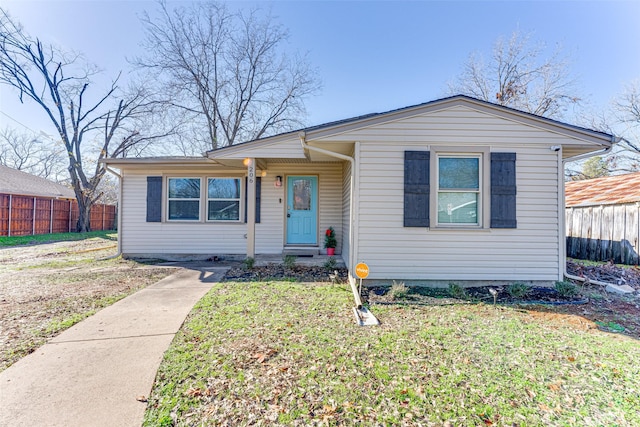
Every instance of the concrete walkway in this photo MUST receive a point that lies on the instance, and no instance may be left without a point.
(97, 372)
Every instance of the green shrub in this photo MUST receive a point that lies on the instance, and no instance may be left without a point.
(248, 263)
(330, 263)
(289, 261)
(566, 289)
(518, 290)
(398, 291)
(457, 291)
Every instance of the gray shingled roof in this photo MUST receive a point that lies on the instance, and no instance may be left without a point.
(13, 181)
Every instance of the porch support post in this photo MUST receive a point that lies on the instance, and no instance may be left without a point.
(251, 206)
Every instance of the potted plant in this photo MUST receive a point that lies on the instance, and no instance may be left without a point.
(330, 241)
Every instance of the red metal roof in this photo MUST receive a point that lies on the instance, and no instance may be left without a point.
(609, 190)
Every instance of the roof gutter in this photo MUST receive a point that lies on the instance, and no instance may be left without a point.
(614, 140)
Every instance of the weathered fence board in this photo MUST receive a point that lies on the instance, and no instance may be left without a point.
(604, 233)
(27, 215)
(606, 252)
(631, 235)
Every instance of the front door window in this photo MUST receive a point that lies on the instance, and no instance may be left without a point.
(302, 195)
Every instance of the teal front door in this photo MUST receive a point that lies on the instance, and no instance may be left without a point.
(302, 210)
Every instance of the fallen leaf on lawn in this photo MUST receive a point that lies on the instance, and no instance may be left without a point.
(485, 419)
(571, 359)
(328, 409)
(554, 386)
(544, 407)
(194, 392)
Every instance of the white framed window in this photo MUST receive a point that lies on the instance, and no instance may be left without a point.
(223, 199)
(459, 183)
(183, 199)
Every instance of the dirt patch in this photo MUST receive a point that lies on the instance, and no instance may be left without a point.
(46, 288)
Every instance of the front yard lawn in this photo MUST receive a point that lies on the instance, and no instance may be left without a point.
(284, 353)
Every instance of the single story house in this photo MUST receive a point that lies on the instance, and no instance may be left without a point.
(603, 218)
(453, 190)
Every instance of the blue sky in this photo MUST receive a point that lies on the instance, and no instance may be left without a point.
(372, 56)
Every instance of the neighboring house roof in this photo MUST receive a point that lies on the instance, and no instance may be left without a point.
(609, 190)
(13, 181)
(600, 138)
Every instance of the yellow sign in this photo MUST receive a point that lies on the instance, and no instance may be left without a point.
(362, 270)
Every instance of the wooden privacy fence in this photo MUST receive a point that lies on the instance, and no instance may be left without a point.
(603, 233)
(26, 215)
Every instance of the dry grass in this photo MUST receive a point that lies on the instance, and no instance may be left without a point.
(47, 288)
(290, 354)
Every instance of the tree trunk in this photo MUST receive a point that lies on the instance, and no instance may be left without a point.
(84, 215)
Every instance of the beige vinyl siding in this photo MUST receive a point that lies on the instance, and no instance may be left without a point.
(174, 237)
(288, 149)
(471, 127)
(530, 252)
(143, 238)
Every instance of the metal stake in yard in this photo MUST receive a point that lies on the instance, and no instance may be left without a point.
(363, 316)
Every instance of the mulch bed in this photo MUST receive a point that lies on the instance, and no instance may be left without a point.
(439, 296)
(300, 273)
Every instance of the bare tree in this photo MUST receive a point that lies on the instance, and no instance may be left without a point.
(31, 154)
(518, 76)
(227, 70)
(89, 129)
(627, 113)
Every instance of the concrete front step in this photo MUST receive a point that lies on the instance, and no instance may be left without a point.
(306, 251)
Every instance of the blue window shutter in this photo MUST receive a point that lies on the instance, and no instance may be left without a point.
(416, 188)
(258, 197)
(154, 199)
(503, 190)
